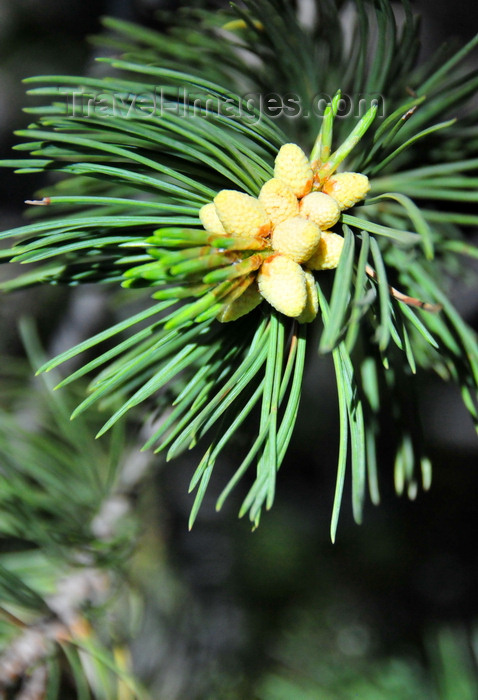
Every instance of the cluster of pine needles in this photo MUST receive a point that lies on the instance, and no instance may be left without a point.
(123, 180)
(132, 176)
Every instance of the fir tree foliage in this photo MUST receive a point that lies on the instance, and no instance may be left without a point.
(126, 210)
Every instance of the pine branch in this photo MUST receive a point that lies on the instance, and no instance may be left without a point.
(132, 206)
(65, 509)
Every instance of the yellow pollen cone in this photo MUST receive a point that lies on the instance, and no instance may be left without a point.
(241, 306)
(282, 283)
(210, 219)
(278, 200)
(347, 188)
(297, 238)
(328, 252)
(321, 209)
(293, 167)
(241, 214)
(312, 303)
(235, 24)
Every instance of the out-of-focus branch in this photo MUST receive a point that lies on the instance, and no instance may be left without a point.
(36, 642)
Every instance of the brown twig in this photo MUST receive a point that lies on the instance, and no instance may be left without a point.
(410, 301)
(12, 618)
(39, 202)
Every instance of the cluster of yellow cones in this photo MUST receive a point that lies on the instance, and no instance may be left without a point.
(255, 248)
(289, 227)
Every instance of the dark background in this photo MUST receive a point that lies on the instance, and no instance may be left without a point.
(235, 596)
